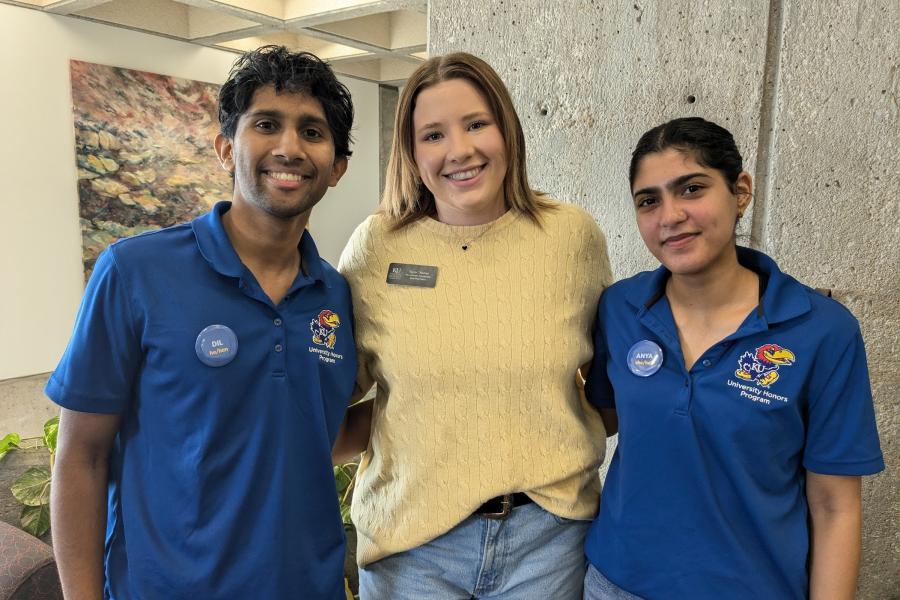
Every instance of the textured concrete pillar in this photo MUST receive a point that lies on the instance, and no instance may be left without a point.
(834, 206)
(810, 89)
(387, 107)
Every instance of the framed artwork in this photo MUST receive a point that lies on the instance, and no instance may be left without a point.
(144, 148)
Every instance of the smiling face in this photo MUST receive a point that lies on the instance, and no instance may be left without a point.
(282, 155)
(686, 213)
(460, 153)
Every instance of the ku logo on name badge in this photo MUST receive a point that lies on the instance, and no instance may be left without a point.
(762, 365)
(323, 328)
(645, 358)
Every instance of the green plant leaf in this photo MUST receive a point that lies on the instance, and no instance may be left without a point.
(36, 519)
(9, 442)
(341, 478)
(33, 487)
(51, 429)
(347, 591)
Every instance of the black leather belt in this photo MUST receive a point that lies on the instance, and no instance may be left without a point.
(499, 507)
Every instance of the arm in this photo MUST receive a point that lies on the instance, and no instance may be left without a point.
(610, 421)
(835, 523)
(607, 415)
(78, 500)
(353, 436)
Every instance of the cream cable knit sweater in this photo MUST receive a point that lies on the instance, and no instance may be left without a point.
(476, 377)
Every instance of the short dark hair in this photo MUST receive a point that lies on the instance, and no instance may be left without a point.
(711, 145)
(292, 71)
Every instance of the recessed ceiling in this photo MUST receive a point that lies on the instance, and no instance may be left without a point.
(376, 40)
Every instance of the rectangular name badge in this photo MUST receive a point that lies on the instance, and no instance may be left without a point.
(414, 275)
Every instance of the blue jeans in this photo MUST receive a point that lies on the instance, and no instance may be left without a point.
(530, 555)
(598, 587)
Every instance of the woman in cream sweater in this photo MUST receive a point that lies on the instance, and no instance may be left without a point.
(474, 298)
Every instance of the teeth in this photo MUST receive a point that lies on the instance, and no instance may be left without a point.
(285, 176)
(465, 174)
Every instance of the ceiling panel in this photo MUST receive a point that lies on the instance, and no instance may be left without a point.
(377, 40)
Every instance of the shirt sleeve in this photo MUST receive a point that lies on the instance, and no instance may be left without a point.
(99, 366)
(597, 387)
(842, 437)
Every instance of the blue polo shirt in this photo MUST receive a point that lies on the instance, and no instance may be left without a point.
(705, 496)
(221, 483)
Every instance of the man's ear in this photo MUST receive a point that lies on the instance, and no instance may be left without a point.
(337, 170)
(224, 148)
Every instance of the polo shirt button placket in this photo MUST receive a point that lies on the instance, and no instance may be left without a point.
(684, 402)
(279, 345)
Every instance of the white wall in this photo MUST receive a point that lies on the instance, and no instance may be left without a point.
(40, 245)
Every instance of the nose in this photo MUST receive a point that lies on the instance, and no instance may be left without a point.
(671, 212)
(460, 148)
(289, 145)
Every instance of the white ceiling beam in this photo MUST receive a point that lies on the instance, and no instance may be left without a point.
(346, 41)
(67, 7)
(241, 13)
(237, 34)
(353, 59)
(397, 52)
(353, 12)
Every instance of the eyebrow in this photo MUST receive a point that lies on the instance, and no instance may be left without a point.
(277, 114)
(480, 113)
(672, 184)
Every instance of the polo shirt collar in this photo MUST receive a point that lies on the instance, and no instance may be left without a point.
(312, 262)
(783, 297)
(216, 248)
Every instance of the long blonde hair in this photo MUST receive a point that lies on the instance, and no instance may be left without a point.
(406, 199)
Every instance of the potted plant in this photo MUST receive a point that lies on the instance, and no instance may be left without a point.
(344, 477)
(32, 488)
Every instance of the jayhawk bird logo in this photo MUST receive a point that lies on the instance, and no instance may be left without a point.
(323, 327)
(762, 367)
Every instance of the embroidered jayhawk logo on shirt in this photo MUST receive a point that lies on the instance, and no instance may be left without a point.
(762, 366)
(323, 328)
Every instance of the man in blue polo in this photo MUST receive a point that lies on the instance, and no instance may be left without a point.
(209, 370)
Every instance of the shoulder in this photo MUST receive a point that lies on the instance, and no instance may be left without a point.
(152, 245)
(334, 280)
(571, 221)
(361, 246)
(620, 292)
(805, 309)
(835, 320)
(568, 214)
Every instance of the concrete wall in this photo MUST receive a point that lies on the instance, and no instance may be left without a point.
(810, 89)
(387, 109)
(40, 249)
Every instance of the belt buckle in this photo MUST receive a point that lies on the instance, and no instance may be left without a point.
(506, 504)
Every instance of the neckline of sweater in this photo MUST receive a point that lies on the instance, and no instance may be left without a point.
(468, 231)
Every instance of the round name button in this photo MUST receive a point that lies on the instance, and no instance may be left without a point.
(216, 346)
(645, 358)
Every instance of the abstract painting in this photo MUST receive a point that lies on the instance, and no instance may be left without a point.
(144, 148)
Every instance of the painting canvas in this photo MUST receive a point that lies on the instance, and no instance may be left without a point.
(144, 147)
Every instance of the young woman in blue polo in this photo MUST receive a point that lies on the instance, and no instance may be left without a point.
(741, 398)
